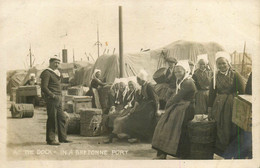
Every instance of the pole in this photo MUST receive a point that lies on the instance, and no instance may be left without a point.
(242, 69)
(73, 56)
(30, 56)
(121, 59)
(98, 40)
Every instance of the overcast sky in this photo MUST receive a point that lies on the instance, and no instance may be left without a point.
(146, 24)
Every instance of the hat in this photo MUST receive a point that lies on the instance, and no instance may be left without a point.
(32, 75)
(223, 54)
(95, 72)
(185, 65)
(132, 79)
(55, 57)
(203, 57)
(142, 74)
(171, 59)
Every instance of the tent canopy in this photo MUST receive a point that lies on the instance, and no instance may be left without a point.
(149, 61)
(109, 66)
(16, 80)
(189, 50)
(82, 75)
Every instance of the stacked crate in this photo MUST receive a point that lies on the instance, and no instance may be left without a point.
(24, 91)
(76, 91)
(81, 102)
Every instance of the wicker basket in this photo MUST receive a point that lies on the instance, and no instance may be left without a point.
(202, 151)
(90, 122)
(202, 136)
(160, 75)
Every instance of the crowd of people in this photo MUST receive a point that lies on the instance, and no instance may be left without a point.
(134, 104)
(189, 91)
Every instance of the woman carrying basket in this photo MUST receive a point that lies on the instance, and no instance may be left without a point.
(170, 135)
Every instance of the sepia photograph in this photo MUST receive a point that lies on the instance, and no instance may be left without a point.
(116, 83)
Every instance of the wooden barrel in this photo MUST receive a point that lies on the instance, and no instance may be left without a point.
(160, 75)
(202, 136)
(22, 110)
(90, 122)
(73, 123)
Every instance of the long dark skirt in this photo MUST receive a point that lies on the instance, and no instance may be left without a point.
(201, 102)
(141, 123)
(119, 122)
(171, 135)
(222, 113)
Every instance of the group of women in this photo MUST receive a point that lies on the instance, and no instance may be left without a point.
(200, 92)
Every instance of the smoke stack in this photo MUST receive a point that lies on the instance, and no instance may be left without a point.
(64, 56)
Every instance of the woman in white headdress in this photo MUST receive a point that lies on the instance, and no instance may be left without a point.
(141, 119)
(202, 77)
(227, 83)
(120, 115)
(171, 135)
(118, 101)
(95, 83)
(32, 80)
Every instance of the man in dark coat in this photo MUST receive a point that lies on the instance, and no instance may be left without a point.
(170, 76)
(51, 89)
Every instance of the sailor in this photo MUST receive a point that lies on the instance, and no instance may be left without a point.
(51, 88)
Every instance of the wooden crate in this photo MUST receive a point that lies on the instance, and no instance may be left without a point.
(68, 98)
(81, 102)
(29, 91)
(76, 91)
(90, 122)
(242, 112)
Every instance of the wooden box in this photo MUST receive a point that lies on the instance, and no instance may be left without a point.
(242, 112)
(29, 91)
(81, 102)
(75, 91)
(68, 98)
